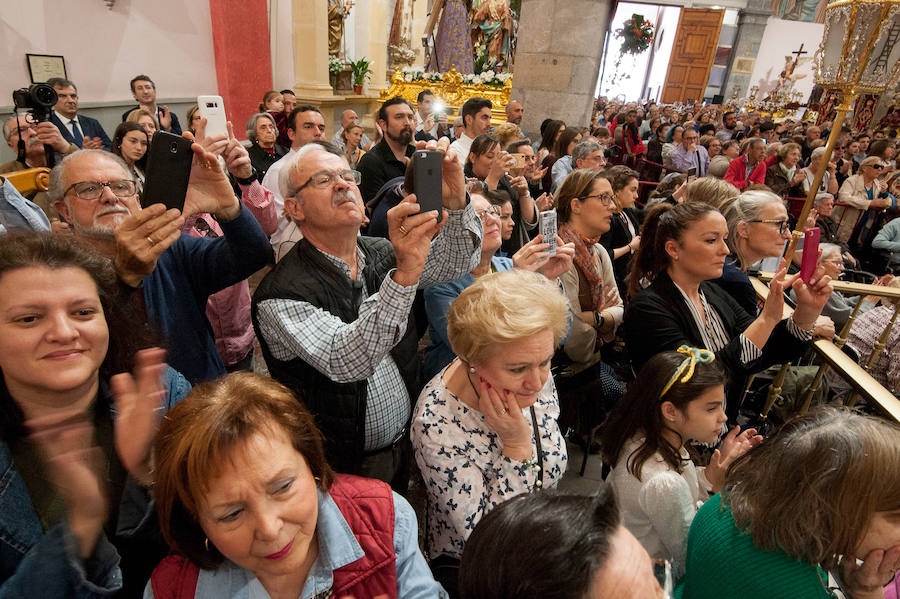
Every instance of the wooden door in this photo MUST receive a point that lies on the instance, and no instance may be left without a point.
(692, 54)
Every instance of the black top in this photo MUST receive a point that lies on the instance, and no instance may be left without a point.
(658, 319)
(618, 236)
(378, 166)
(262, 160)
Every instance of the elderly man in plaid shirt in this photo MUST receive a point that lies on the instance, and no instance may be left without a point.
(334, 315)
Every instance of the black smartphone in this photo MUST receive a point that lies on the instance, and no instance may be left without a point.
(168, 170)
(427, 168)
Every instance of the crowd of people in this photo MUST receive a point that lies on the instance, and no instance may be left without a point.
(148, 450)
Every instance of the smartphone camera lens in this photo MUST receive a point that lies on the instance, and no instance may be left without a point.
(173, 147)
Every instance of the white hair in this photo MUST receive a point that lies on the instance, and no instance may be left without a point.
(285, 185)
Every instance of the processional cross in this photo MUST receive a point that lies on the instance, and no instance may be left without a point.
(798, 53)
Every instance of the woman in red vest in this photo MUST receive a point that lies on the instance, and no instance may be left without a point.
(248, 503)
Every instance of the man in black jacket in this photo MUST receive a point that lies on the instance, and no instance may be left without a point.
(333, 316)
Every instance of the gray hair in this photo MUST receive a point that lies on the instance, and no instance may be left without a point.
(828, 249)
(743, 209)
(251, 124)
(583, 149)
(817, 152)
(285, 185)
(57, 176)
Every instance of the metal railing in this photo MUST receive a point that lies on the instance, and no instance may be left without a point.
(833, 356)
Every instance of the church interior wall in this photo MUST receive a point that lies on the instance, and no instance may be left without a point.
(169, 40)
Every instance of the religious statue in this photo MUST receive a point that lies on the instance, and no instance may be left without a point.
(453, 45)
(492, 30)
(786, 79)
(338, 11)
(863, 111)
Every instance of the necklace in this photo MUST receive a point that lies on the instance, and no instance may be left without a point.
(539, 483)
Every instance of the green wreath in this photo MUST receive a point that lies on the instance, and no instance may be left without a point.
(636, 35)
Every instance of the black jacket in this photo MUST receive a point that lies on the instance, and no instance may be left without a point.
(657, 319)
(304, 274)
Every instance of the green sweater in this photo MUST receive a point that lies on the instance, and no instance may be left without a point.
(723, 562)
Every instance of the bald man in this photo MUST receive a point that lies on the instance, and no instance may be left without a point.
(349, 117)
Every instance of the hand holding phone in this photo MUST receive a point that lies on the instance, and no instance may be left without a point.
(548, 230)
(428, 171)
(213, 110)
(691, 174)
(810, 254)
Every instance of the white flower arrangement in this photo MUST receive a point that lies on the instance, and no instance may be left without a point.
(491, 78)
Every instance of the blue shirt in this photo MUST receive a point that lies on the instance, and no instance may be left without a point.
(18, 213)
(337, 548)
(186, 274)
(437, 301)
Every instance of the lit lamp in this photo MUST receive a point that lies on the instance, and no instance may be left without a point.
(860, 54)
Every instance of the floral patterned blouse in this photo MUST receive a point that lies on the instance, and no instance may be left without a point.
(465, 471)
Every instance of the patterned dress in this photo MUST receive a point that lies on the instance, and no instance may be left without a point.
(453, 44)
(465, 471)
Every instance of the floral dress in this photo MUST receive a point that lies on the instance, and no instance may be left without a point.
(465, 471)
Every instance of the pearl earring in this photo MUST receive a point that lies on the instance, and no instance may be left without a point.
(472, 369)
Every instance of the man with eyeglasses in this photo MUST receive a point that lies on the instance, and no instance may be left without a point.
(35, 136)
(170, 274)
(334, 316)
(305, 124)
(690, 154)
(859, 194)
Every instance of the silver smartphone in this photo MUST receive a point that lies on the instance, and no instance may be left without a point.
(548, 230)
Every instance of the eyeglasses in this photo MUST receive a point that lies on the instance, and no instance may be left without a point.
(493, 211)
(92, 190)
(605, 198)
(324, 179)
(782, 224)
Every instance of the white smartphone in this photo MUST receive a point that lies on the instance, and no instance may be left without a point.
(548, 230)
(213, 110)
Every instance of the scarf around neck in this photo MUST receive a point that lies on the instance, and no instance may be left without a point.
(586, 260)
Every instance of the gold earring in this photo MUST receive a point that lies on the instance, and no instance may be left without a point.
(206, 544)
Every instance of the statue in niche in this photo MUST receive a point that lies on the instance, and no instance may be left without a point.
(492, 31)
(453, 44)
(338, 11)
(400, 52)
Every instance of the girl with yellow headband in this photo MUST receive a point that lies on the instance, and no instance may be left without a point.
(677, 399)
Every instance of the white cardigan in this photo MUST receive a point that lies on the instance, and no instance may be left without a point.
(658, 509)
(853, 193)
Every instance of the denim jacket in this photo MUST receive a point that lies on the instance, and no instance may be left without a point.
(48, 564)
(337, 547)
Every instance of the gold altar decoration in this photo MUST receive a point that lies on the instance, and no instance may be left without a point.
(859, 54)
(453, 92)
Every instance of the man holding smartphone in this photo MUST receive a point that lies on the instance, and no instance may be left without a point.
(334, 316)
(173, 273)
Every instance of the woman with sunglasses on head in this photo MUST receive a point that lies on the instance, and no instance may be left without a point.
(75, 433)
(758, 228)
(677, 399)
(682, 249)
(859, 193)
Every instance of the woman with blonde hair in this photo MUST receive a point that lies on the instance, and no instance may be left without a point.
(352, 137)
(485, 428)
(506, 133)
(145, 119)
(821, 495)
(711, 190)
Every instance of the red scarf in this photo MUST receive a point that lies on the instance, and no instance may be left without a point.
(586, 260)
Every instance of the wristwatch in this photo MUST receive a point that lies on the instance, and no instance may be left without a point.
(598, 319)
(249, 180)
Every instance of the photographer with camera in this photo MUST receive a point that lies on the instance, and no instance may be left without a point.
(36, 141)
(431, 117)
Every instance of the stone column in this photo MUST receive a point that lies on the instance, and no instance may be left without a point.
(751, 26)
(558, 56)
(310, 19)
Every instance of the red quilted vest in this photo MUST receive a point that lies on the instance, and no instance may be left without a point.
(368, 507)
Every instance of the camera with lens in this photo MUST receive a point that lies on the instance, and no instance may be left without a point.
(39, 99)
